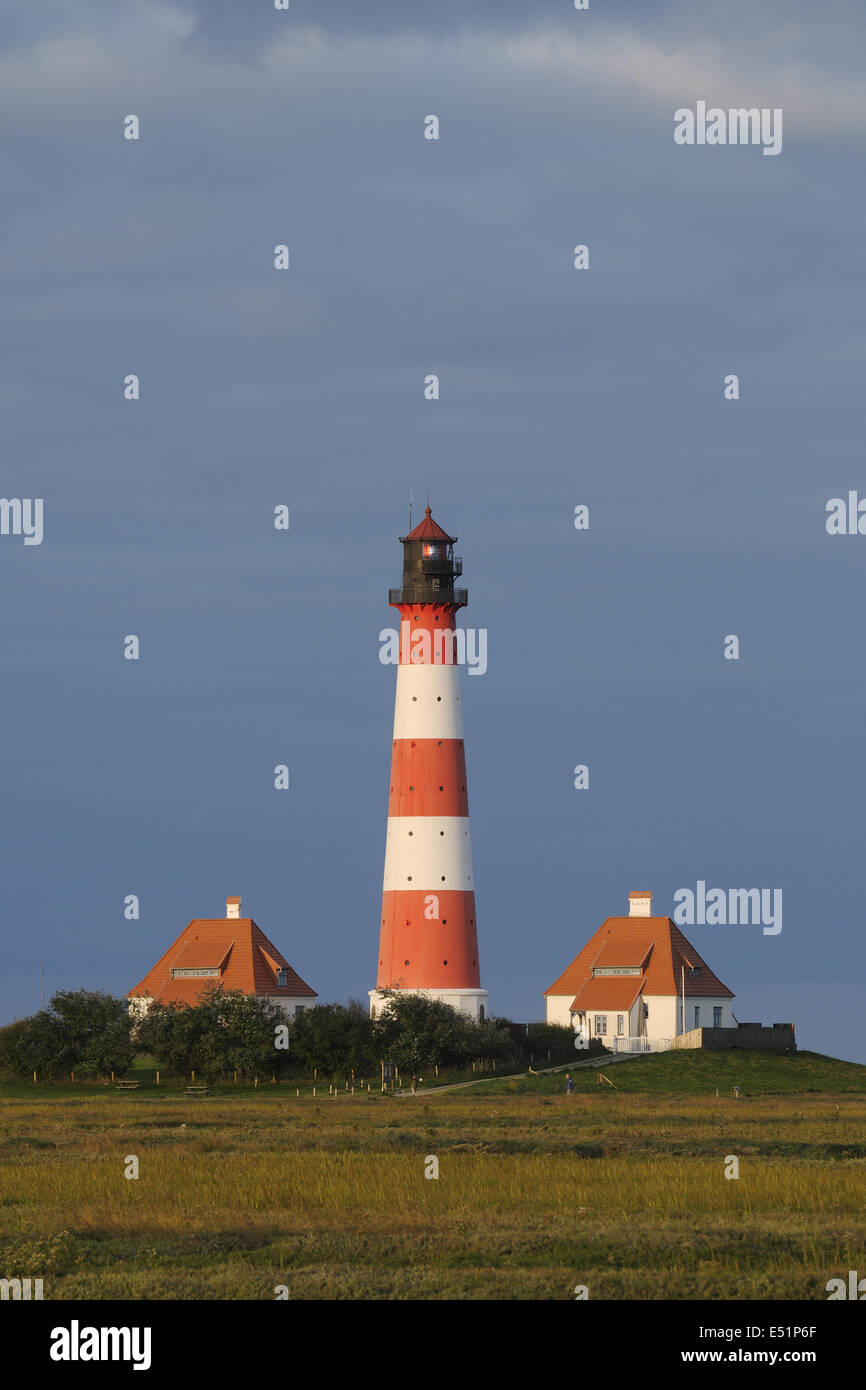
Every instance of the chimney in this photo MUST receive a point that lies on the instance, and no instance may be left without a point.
(233, 907)
(640, 904)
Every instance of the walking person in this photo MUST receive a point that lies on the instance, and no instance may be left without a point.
(569, 1083)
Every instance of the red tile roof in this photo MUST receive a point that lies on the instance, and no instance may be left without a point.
(429, 530)
(655, 945)
(608, 992)
(615, 951)
(201, 953)
(237, 947)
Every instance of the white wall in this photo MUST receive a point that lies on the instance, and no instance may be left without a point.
(557, 1009)
(664, 1021)
(291, 1006)
(630, 1023)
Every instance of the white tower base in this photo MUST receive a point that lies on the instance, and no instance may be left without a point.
(472, 1002)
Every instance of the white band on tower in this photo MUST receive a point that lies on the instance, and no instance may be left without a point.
(428, 854)
(427, 704)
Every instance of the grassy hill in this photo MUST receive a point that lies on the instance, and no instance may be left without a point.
(701, 1072)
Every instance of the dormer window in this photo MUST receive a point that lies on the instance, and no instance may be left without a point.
(282, 978)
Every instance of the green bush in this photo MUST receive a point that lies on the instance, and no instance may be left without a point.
(415, 1033)
(80, 1028)
(335, 1038)
(226, 1031)
(10, 1066)
(535, 1041)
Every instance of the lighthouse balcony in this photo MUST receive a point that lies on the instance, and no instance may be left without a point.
(429, 593)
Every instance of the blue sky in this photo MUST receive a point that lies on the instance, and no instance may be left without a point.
(558, 387)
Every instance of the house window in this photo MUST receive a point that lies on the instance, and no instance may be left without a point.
(600, 1027)
(694, 972)
(697, 1015)
(195, 973)
(717, 1018)
(299, 1008)
(282, 979)
(620, 1024)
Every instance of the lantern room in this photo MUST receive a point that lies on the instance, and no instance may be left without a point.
(429, 566)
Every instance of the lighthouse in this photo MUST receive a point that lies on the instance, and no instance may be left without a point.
(428, 932)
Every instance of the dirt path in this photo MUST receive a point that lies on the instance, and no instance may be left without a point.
(510, 1076)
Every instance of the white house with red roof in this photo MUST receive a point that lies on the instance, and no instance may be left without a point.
(232, 952)
(633, 980)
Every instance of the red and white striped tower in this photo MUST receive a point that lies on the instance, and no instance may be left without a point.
(428, 940)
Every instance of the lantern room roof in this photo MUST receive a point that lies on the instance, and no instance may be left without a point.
(428, 530)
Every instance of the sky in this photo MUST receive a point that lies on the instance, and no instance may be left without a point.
(602, 387)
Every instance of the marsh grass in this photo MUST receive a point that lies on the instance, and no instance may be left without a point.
(623, 1191)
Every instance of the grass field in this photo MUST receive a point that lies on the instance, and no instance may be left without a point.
(621, 1190)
